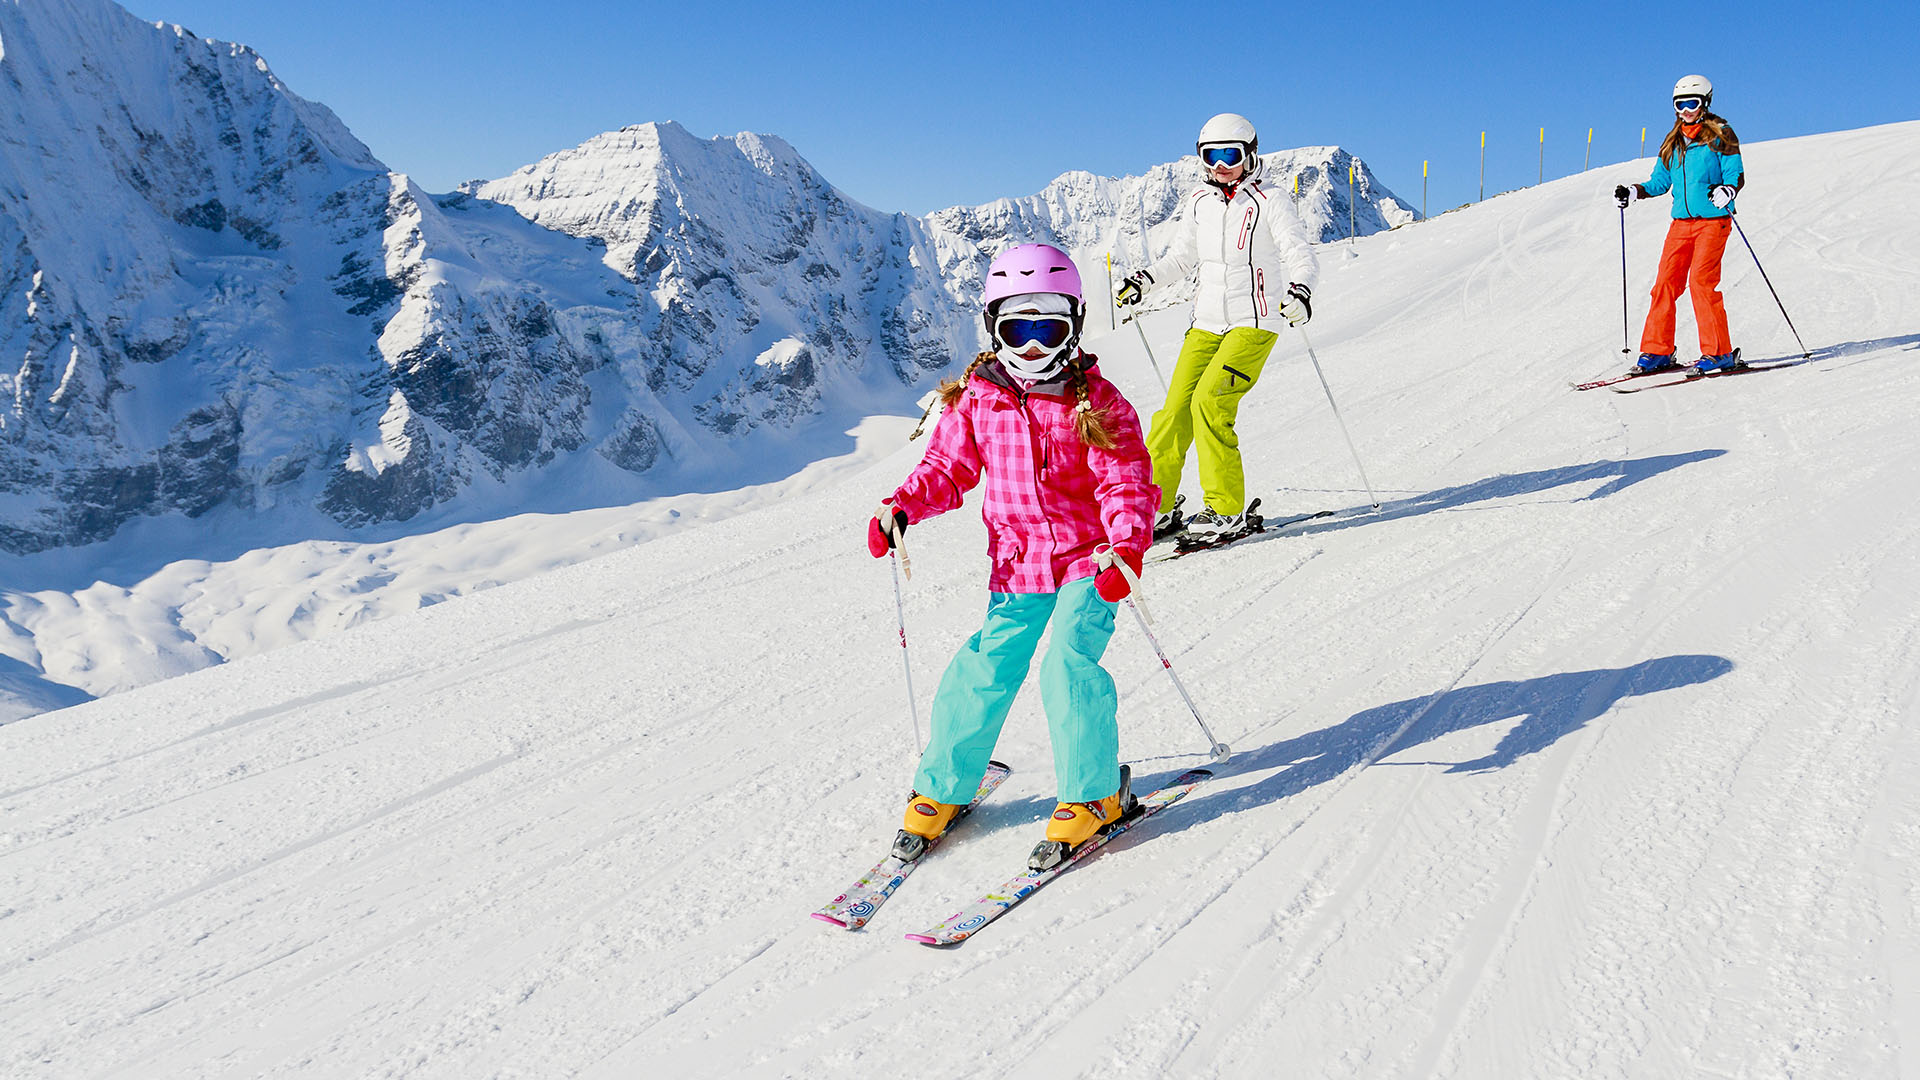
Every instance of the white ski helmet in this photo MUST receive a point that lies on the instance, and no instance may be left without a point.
(1231, 129)
(1694, 86)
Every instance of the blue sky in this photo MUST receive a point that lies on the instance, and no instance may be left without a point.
(916, 107)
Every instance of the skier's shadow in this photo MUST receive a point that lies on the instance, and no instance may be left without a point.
(1904, 343)
(1548, 708)
(1619, 475)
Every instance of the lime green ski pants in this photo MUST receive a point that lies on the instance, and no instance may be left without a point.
(977, 692)
(1213, 373)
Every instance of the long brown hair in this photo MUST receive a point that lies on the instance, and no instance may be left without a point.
(1091, 424)
(1719, 135)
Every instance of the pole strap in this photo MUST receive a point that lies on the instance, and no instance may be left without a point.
(1103, 557)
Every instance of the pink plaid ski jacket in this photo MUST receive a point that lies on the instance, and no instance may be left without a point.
(1050, 498)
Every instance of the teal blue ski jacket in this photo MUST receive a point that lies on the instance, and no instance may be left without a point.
(1691, 179)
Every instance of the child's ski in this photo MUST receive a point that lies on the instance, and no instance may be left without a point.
(961, 924)
(857, 903)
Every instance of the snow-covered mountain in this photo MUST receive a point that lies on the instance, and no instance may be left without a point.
(255, 315)
(1591, 753)
(1133, 217)
(764, 285)
(220, 298)
(237, 331)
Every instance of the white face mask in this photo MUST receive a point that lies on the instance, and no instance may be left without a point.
(1042, 326)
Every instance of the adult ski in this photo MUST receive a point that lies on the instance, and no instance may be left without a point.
(968, 920)
(858, 902)
(1256, 526)
(1691, 376)
(1635, 374)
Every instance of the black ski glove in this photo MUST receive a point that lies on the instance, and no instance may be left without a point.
(1133, 289)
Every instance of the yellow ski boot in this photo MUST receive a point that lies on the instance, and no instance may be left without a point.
(1073, 824)
(925, 820)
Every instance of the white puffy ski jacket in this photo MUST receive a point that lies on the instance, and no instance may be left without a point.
(1247, 248)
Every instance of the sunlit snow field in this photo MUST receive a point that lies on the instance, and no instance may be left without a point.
(1593, 753)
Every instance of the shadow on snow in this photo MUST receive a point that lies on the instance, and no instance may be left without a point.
(1619, 475)
(1550, 708)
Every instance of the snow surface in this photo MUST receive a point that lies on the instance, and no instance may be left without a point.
(1594, 753)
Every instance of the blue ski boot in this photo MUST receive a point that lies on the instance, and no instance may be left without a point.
(1648, 364)
(1724, 362)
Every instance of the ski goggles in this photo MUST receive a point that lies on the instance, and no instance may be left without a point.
(1222, 157)
(1688, 104)
(1019, 331)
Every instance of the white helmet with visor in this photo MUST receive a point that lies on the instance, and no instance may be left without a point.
(1692, 92)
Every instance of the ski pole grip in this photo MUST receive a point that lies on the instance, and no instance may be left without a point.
(1104, 557)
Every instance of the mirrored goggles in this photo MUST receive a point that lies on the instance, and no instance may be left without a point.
(1017, 331)
(1688, 104)
(1222, 157)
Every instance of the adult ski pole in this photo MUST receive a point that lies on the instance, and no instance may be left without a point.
(1337, 417)
(1626, 339)
(1776, 296)
(1134, 319)
(1217, 751)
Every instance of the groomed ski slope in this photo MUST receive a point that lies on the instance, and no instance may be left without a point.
(1595, 753)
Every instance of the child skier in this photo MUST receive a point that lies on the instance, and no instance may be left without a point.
(1066, 472)
(1700, 161)
(1244, 243)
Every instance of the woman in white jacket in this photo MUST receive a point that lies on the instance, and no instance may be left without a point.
(1256, 269)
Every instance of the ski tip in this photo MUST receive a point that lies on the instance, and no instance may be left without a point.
(996, 764)
(923, 939)
(826, 918)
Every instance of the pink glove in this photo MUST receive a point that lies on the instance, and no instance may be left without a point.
(1111, 584)
(884, 530)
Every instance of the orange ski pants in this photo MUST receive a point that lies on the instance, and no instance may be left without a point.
(1690, 263)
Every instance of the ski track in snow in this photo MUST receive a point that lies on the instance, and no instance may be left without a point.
(1592, 753)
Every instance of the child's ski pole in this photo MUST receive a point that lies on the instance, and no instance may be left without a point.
(1218, 751)
(899, 558)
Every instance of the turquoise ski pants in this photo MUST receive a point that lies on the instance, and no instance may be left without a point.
(978, 688)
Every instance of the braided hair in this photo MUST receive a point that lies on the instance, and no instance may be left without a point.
(1091, 424)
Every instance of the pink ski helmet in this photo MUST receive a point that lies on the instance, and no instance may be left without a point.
(1031, 268)
(1034, 268)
